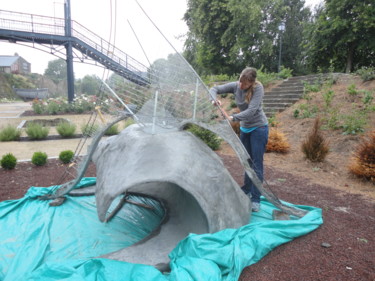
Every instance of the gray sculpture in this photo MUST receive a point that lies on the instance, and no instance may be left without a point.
(180, 170)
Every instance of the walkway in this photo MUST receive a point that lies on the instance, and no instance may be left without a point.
(10, 114)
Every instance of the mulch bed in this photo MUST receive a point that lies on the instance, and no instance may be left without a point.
(341, 249)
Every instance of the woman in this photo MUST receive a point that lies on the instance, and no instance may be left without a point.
(249, 94)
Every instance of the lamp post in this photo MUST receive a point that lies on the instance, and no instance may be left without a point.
(281, 29)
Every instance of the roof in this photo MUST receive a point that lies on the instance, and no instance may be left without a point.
(8, 60)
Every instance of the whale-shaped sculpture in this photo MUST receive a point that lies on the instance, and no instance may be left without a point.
(177, 168)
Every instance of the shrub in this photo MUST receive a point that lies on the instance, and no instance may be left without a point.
(363, 162)
(38, 106)
(66, 129)
(352, 91)
(10, 133)
(39, 158)
(277, 142)
(8, 161)
(114, 130)
(66, 156)
(89, 129)
(354, 123)
(366, 73)
(328, 97)
(285, 72)
(312, 87)
(315, 147)
(208, 137)
(128, 122)
(36, 131)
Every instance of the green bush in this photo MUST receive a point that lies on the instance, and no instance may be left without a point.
(39, 158)
(8, 161)
(89, 129)
(36, 131)
(285, 72)
(66, 129)
(114, 130)
(66, 156)
(354, 123)
(208, 137)
(10, 133)
(128, 122)
(366, 73)
(312, 87)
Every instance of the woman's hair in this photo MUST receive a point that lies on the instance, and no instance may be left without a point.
(249, 74)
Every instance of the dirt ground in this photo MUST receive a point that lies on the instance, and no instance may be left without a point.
(341, 249)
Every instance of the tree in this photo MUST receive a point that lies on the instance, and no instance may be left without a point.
(343, 35)
(227, 35)
(90, 85)
(56, 70)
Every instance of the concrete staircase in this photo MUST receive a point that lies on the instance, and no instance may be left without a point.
(286, 94)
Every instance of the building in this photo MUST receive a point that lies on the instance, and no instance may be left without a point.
(14, 64)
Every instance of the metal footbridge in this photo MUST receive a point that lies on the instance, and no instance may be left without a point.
(53, 35)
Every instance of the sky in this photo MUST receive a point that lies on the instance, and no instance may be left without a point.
(124, 23)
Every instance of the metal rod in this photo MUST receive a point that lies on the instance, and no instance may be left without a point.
(155, 110)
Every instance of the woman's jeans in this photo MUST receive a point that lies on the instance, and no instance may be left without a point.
(255, 143)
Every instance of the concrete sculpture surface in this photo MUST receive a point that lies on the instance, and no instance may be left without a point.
(182, 172)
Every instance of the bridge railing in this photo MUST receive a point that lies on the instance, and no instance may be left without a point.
(31, 23)
(101, 45)
(56, 26)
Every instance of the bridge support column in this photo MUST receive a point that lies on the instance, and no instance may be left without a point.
(70, 72)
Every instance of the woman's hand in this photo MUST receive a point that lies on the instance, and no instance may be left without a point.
(216, 102)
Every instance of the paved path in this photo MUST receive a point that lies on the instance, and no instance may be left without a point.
(10, 113)
(14, 109)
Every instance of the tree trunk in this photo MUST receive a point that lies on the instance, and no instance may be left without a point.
(349, 58)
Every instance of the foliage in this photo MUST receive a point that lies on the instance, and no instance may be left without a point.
(19, 81)
(354, 123)
(366, 73)
(39, 158)
(277, 142)
(113, 130)
(81, 104)
(36, 131)
(363, 162)
(128, 122)
(285, 72)
(224, 37)
(66, 156)
(266, 78)
(90, 85)
(305, 110)
(208, 137)
(367, 98)
(342, 35)
(8, 161)
(315, 147)
(89, 129)
(352, 91)
(328, 97)
(56, 70)
(10, 133)
(316, 87)
(66, 129)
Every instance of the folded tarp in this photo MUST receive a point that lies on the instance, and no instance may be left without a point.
(39, 242)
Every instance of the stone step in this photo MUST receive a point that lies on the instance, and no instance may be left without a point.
(285, 100)
(282, 93)
(288, 95)
(277, 104)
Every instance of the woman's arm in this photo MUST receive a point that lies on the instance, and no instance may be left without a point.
(222, 89)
